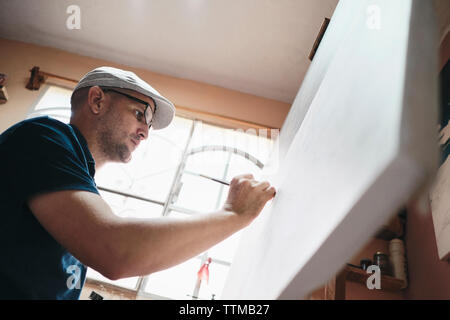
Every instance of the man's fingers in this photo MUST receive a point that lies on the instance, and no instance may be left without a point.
(268, 190)
(244, 176)
(263, 185)
(271, 192)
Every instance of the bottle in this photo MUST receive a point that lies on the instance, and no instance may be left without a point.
(382, 260)
(365, 263)
(398, 261)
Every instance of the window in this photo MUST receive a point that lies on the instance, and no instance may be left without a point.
(161, 180)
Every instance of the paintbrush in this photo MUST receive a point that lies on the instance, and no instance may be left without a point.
(208, 177)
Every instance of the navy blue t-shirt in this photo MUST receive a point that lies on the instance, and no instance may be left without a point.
(39, 155)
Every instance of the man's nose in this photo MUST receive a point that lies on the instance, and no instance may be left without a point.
(143, 132)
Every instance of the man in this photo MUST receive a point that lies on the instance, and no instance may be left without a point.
(54, 222)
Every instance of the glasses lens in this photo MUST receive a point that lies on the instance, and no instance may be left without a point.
(148, 115)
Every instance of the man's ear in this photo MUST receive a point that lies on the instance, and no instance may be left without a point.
(96, 100)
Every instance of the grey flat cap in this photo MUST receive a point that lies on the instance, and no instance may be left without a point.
(118, 78)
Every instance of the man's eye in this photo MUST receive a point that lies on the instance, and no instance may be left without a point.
(139, 115)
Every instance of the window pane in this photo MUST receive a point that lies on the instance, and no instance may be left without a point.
(127, 207)
(198, 193)
(226, 249)
(55, 102)
(217, 277)
(217, 272)
(177, 282)
(211, 163)
(54, 97)
(240, 165)
(250, 140)
(206, 134)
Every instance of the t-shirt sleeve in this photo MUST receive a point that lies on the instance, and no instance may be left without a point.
(43, 159)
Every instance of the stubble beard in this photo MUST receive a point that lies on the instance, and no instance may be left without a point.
(111, 146)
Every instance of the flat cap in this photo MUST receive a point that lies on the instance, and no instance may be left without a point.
(118, 78)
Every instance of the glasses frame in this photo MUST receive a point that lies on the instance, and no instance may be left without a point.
(147, 105)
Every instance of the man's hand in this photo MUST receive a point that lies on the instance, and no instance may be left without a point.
(247, 197)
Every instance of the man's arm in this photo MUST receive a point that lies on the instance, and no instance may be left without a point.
(85, 225)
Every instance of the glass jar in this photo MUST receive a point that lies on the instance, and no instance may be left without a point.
(382, 261)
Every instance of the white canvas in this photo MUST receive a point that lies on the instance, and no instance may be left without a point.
(366, 143)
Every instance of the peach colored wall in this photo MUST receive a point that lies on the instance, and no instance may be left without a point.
(18, 58)
(429, 277)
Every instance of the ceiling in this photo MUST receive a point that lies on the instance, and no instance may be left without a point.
(259, 47)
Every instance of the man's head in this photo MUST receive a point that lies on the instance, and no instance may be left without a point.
(117, 109)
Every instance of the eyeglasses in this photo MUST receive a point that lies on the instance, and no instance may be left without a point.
(148, 112)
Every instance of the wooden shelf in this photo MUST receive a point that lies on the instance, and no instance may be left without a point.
(387, 283)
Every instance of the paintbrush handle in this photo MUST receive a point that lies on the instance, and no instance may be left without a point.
(214, 179)
(207, 177)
